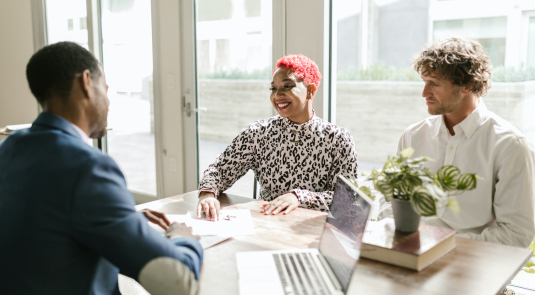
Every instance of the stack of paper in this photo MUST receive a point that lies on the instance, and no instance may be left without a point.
(10, 128)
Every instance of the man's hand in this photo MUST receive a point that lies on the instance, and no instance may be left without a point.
(287, 201)
(180, 230)
(210, 205)
(157, 218)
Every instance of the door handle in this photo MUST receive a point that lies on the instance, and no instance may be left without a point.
(188, 110)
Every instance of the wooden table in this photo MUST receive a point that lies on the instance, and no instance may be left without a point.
(472, 268)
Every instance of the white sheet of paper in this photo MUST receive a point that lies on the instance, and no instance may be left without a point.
(172, 218)
(205, 241)
(524, 280)
(239, 223)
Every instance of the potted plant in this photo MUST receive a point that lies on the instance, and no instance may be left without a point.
(415, 190)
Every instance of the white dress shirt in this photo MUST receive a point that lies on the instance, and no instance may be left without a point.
(83, 135)
(500, 209)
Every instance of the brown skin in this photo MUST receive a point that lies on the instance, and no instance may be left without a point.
(157, 218)
(87, 107)
(285, 88)
(180, 230)
(445, 98)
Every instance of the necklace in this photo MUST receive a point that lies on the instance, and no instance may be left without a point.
(295, 132)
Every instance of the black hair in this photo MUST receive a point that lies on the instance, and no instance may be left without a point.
(51, 70)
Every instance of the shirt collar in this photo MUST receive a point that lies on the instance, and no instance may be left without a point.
(83, 135)
(469, 124)
(299, 127)
(439, 126)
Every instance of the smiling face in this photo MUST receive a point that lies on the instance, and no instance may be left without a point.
(290, 97)
(441, 95)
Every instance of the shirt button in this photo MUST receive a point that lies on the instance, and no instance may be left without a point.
(451, 147)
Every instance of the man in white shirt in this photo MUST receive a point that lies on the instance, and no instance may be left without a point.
(464, 133)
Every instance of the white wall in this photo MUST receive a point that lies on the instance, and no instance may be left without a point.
(17, 104)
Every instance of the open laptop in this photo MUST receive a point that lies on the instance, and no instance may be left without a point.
(326, 270)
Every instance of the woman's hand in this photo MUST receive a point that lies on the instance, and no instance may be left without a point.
(287, 201)
(210, 205)
(157, 218)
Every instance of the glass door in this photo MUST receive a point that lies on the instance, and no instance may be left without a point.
(233, 49)
(127, 61)
(126, 44)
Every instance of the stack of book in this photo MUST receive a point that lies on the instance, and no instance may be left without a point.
(415, 251)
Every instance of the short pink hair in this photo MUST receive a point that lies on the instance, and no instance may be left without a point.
(303, 67)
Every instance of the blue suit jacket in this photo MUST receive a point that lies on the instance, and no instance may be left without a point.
(67, 221)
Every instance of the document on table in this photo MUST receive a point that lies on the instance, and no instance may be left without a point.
(173, 218)
(205, 241)
(231, 223)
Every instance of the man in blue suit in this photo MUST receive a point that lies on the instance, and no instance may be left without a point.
(67, 220)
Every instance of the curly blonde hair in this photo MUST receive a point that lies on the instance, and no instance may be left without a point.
(464, 62)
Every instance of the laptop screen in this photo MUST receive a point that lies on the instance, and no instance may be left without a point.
(342, 235)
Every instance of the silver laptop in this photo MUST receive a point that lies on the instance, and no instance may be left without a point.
(326, 270)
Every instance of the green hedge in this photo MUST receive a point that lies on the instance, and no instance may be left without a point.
(264, 74)
(512, 74)
(379, 72)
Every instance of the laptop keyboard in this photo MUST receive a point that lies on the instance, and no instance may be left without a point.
(299, 274)
(342, 271)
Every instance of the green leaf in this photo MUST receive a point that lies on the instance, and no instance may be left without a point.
(435, 191)
(404, 190)
(423, 203)
(467, 182)
(454, 205)
(407, 153)
(413, 180)
(419, 160)
(385, 189)
(448, 176)
(367, 191)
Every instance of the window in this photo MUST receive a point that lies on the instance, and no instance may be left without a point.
(83, 23)
(490, 32)
(376, 95)
(234, 73)
(61, 24)
(531, 43)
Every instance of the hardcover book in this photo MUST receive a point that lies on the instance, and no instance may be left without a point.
(416, 250)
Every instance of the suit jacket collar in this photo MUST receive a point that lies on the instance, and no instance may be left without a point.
(51, 121)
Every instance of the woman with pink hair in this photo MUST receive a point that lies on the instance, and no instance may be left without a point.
(296, 156)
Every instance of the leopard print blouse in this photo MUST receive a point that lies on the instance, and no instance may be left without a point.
(286, 157)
